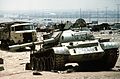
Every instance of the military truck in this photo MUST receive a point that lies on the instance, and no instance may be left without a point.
(12, 33)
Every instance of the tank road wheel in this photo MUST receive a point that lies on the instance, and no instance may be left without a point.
(49, 63)
(37, 64)
(41, 64)
(44, 63)
(33, 63)
(52, 63)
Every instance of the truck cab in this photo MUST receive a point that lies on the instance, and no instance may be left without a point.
(23, 33)
(14, 33)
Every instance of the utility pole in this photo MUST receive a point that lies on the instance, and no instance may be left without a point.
(89, 16)
(118, 12)
(42, 13)
(80, 13)
(97, 14)
(106, 14)
(114, 12)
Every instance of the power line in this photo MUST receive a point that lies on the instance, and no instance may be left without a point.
(118, 12)
(80, 13)
(97, 14)
(106, 13)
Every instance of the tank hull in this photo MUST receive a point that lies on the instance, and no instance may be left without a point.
(51, 61)
(101, 60)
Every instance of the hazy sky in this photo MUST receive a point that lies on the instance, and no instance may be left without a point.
(57, 4)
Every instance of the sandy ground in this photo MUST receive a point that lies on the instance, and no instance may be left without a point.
(14, 68)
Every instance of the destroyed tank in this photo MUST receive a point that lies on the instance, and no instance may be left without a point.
(74, 47)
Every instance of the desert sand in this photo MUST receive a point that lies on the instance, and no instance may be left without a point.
(14, 67)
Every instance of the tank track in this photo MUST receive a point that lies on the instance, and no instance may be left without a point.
(50, 61)
(47, 63)
(59, 62)
(42, 63)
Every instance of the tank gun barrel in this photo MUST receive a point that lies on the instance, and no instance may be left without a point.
(30, 44)
(53, 40)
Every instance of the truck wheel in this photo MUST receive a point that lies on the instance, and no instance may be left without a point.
(12, 42)
(28, 66)
(4, 45)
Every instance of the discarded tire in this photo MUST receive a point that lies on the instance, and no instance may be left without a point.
(36, 73)
(1, 61)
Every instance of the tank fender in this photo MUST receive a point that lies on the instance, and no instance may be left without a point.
(61, 50)
(110, 45)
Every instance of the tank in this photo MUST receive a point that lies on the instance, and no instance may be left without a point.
(74, 47)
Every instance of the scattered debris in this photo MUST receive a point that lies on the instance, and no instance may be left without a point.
(56, 71)
(28, 66)
(1, 68)
(66, 71)
(118, 69)
(20, 59)
(70, 70)
(36, 73)
(1, 61)
(22, 63)
(117, 66)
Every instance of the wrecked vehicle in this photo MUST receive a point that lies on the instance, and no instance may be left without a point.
(74, 47)
(71, 46)
(13, 33)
